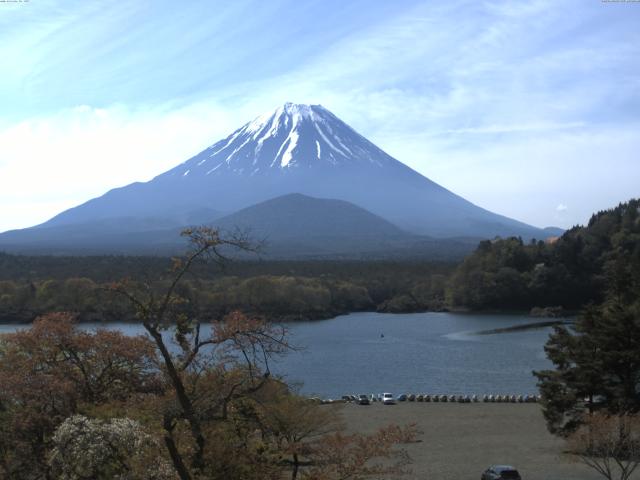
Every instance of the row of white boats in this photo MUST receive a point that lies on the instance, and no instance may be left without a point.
(411, 397)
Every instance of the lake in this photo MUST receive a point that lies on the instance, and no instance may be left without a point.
(408, 353)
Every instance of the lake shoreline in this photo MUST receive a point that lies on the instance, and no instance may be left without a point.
(13, 320)
(529, 326)
(367, 352)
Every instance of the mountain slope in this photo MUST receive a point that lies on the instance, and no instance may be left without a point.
(299, 226)
(290, 226)
(305, 149)
(296, 224)
(294, 215)
(295, 149)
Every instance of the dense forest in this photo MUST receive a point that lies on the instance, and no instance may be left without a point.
(31, 286)
(593, 388)
(576, 269)
(501, 274)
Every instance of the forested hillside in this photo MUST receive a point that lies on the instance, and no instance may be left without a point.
(576, 269)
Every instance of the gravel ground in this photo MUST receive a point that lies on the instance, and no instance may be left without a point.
(459, 441)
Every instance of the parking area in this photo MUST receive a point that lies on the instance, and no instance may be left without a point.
(460, 440)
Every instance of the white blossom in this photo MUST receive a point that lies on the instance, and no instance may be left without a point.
(94, 449)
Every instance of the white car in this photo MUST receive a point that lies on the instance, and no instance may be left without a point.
(387, 399)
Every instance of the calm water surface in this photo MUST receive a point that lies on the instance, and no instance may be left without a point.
(419, 353)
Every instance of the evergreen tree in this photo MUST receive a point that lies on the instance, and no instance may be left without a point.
(597, 367)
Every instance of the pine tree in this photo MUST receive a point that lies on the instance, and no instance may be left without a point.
(597, 367)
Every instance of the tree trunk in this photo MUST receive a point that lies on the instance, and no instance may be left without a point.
(296, 464)
(184, 400)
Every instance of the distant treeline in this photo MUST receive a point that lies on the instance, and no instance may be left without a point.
(579, 268)
(31, 286)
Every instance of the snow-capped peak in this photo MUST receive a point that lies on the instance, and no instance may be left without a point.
(291, 136)
(294, 111)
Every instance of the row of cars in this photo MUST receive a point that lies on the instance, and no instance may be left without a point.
(362, 399)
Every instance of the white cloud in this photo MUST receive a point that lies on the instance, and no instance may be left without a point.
(561, 207)
(51, 163)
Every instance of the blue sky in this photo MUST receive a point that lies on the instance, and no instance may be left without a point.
(529, 109)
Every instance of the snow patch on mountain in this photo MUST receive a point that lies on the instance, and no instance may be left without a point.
(327, 141)
(293, 136)
(288, 154)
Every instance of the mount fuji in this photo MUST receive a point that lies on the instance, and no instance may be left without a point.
(301, 149)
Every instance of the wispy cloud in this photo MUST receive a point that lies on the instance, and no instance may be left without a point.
(529, 101)
(533, 127)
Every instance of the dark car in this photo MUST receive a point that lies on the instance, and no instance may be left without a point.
(501, 472)
(363, 400)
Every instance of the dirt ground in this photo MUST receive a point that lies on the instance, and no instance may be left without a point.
(459, 441)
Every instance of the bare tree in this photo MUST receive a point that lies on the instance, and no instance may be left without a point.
(222, 414)
(238, 350)
(609, 444)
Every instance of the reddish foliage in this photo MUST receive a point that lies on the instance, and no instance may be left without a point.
(49, 371)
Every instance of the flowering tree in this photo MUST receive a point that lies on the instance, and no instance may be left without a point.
(117, 449)
(53, 370)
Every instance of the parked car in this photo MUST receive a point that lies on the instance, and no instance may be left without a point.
(501, 472)
(402, 398)
(363, 400)
(387, 399)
